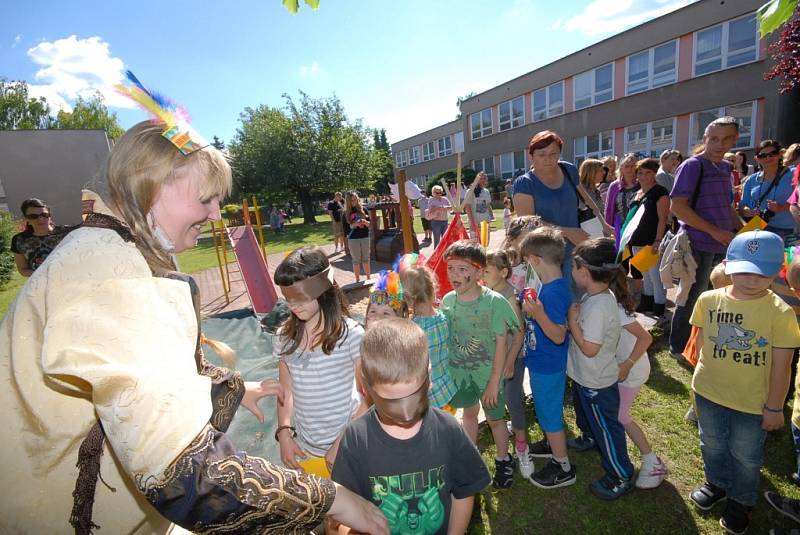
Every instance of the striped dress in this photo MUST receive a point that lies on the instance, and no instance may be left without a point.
(324, 390)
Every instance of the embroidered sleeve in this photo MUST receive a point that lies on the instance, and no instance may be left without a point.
(227, 391)
(211, 488)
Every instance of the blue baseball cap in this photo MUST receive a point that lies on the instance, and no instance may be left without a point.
(757, 251)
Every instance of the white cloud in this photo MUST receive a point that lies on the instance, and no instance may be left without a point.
(73, 67)
(17, 39)
(612, 16)
(310, 70)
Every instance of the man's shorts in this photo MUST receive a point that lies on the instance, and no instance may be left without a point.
(336, 227)
(426, 223)
(471, 394)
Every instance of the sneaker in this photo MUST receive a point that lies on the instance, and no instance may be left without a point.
(651, 474)
(553, 476)
(736, 517)
(540, 449)
(611, 487)
(525, 462)
(582, 443)
(503, 473)
(691, 416)
(706, 496)
(785, 506)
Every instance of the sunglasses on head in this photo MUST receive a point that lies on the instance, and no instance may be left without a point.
(34, 217)
(763, 155)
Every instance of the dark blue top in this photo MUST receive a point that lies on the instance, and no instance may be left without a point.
(542, 355)
(555, 206)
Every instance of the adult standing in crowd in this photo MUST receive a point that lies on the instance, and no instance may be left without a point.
(701, 200)
(621, 193)
(423, 203)
(104, 366)
(358, 235)
(40, 237)
(649, 233)
(438, 209)
(550, 190)
(669, 161)
(610, 163)
(592, 173)
(767, 192)
(335, 208)
(478, 204)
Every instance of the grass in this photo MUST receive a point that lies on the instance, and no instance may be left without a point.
(8, 293)
(659, 409)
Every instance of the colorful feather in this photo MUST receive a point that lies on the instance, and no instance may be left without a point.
(388, 290)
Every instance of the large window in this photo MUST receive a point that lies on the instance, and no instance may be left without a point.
(594, 146)
(744, 113)
(428, 151)
(548, 101)
(481, 123)
(484, 164)
(421, 181)
(650, 139)
(512, 163)
(401, 158)
(652, 68)
(593, 87)
(512, 113)
(445, 145)
(413, 155)
(726, 45)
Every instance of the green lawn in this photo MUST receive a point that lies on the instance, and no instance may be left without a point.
(659, 409)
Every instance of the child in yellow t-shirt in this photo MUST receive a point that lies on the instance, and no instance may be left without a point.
(746, 341)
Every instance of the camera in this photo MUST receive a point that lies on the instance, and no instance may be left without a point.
(766, 214)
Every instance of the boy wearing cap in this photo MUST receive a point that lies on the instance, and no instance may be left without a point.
(745, 344)
(412, 461)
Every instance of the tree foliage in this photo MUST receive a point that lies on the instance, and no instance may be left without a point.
(18, 110)
(774, 14)
(293, 5)
(786, 54)
(304, 151)
(8, 227)
(90, 113)
(218, 143)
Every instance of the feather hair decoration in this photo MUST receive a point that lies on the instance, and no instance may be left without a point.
(408, 261)
(174, 118)
(388, 290)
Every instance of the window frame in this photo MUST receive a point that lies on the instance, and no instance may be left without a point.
(651, 67)
(651, 150)
(483, 166)
(447, 150)
(401, 159)
(482, 131)
(724, 51)
(594, 92)
(548, 102)
(431, 155)
(510, 123)
(412, 152)
(514, 168)
(721, 111)
(599, 154)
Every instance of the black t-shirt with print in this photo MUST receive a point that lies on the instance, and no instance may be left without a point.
(336, 209)
(645, 233)
(36, 248)
(411, 480)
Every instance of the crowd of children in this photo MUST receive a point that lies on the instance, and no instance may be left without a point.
(511, 311)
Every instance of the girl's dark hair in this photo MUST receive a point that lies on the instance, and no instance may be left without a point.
(743, 168)
(501, 260)
(777, 146)
(599, 256)
(299, 265)
(33, 202)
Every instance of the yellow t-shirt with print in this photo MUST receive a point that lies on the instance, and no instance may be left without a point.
(733, 369)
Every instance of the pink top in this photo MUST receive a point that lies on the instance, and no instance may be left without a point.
(438, 208)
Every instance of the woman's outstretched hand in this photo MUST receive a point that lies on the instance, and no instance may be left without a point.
(255, 390)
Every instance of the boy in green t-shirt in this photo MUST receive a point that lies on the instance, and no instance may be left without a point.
(479, 321)
(746, 341)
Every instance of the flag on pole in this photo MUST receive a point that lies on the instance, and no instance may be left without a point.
(436, 263)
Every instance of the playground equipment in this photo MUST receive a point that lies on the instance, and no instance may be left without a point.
(251, 257)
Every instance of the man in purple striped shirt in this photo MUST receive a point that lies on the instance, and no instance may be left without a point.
(702, 200)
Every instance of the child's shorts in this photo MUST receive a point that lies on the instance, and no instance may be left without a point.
(548, 399)
(471, 394)
(316, 466)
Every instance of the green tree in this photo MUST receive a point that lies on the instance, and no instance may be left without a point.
(218, 143)
(18, 110)
(90, 113)
(8, 227)
(383, 162)
(301, 153)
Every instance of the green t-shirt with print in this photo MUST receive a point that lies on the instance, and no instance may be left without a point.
(474, 328)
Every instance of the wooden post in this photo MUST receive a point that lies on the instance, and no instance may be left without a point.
(245, 212)
(260, 227)
(457, 205)
(406, 226)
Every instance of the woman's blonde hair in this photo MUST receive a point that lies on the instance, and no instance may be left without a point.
(437, 189)
(140, 163)
(588, 169)
(792, 154)
(625, 159)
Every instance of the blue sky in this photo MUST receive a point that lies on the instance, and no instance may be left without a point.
(398, 65)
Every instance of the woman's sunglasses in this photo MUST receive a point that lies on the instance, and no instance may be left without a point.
(34, 217)
(762, 155)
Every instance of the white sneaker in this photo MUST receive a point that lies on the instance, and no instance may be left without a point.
(651, 474)
(525, 463)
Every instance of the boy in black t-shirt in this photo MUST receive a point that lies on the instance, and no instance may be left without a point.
(414, 462)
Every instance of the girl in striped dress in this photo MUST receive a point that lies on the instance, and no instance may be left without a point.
(319, 348)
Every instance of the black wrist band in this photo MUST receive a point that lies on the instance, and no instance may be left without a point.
(772, 410)
(281, 428)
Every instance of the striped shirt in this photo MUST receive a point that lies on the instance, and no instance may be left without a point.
(714, 198)
(324, 390)
(443, 388)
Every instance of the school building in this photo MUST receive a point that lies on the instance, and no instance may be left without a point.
(652, 87)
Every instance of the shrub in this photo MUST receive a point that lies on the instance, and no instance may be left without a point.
(8, 227)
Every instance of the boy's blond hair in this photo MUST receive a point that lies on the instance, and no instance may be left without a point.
(718, 278)
(545, 242)
(394, 350)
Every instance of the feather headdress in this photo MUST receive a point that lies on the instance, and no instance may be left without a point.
(174, 118)
(388, 290)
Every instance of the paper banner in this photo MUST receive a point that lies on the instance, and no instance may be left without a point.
(645, 259)
(754, 224)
